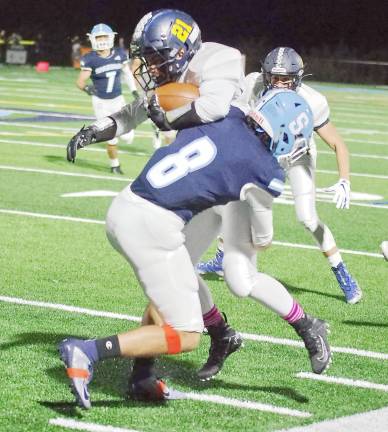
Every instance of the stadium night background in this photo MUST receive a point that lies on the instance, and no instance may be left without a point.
(59, 276)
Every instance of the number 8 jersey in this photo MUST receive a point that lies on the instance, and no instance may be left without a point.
(209, 165)
(106, 71)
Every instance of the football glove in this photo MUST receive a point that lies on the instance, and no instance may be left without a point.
(157, 114)
(90, 90)
(81, 139)
(341, 192)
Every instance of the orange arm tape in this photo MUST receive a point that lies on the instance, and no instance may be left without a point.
(173, 339)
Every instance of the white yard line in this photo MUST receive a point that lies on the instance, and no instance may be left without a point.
(64, 173)
(353, 174)
(83, 426)
(248, 336)
(278, 243)
(343, 381)
(358, 155)
(372, 421)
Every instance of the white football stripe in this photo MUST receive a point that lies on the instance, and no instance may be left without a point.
(83, 426)
(343, 381)
(247, 336)
(278, 243)
(376, 421)
(358, 155)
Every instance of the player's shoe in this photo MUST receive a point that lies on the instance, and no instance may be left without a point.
(212, 266)
(314, 333)
(150, 389)
(221, 347)
(79, 369)
(384, 249)
(348, 285)
(116, 170)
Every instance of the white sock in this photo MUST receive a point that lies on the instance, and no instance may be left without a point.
(114, 163)
(335, 259)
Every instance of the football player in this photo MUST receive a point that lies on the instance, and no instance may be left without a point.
(170, 49)
(104, 66)
(283, 68)
(145, 224)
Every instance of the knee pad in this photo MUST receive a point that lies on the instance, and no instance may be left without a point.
(113, 142)
(238, 274)
(261, 242)
(310, 224)
(128, 137)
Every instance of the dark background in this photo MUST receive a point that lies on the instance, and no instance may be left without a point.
(323, 32)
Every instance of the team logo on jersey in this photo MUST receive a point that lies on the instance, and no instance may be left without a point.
(181, 30)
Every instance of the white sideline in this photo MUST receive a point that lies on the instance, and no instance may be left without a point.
(95, 221)
(247, 336)
(90, 427)
(376, 421)
(343, 381)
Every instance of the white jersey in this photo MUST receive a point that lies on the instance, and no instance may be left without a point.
(218, 72)
(254, 87)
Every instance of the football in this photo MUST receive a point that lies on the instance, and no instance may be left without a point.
(175, 95)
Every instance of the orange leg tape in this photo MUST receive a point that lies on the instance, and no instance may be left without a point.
(173, 339)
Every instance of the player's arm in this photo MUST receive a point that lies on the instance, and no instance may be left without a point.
(119, 123)
(333, 139)
(81, 82)
(129, 80)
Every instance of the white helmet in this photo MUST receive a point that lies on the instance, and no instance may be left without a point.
(101, 30)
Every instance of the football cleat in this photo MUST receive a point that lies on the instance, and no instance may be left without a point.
(348, 285)
(314, 333)
(79, 369)
(384, 249)
(150, 388)
(212, 266)
(221, 347)
(116, 170)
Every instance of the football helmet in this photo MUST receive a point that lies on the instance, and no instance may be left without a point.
(101, 30)
(169, 40)
(284, 122)
(285, 64)
(134, 45)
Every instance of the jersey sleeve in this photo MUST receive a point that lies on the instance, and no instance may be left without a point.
(86, 63)
(221, 74)
(318, 104)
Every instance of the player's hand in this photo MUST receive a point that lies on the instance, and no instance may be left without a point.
(81, 139)
(341, 192)
(90, 90)
(157, 114)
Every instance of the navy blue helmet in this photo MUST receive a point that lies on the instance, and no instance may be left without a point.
(168, 41)
(285, 64)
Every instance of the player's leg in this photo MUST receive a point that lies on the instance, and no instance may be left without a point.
(103, 108)
(224, 340)
(301, 176)
(151, 240)
(240, 222)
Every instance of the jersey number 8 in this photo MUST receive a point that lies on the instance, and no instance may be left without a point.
(192, 157)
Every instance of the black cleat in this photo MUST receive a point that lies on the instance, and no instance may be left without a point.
(314, 333)
(116, 170)
(221, 346)
(150, 389)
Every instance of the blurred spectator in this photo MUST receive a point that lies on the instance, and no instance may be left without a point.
(75, 51)
(2, 45)
(14, 40)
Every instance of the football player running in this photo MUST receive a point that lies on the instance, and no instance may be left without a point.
(170, 49)
(104, 66)
(283, 68)
(146, 221)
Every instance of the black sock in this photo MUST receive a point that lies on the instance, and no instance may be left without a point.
(218, 329)
(108, 347)
(143, 367)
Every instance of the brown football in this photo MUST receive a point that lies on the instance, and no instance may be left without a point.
(175, 95)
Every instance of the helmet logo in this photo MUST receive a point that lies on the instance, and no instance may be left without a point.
(299, 123)
(181, 30)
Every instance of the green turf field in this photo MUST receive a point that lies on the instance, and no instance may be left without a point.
(54, 253)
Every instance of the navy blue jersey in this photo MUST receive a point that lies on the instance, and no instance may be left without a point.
(106, 71)
(208, 165)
